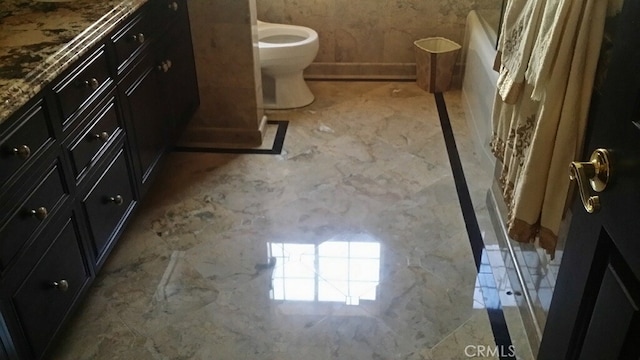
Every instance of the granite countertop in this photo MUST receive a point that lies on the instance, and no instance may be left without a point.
(39, 40)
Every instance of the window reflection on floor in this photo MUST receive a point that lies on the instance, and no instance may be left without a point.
(337, 270)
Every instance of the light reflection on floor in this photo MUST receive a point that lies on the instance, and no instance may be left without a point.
(344, 271)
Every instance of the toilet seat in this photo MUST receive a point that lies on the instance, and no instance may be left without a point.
(302, 35)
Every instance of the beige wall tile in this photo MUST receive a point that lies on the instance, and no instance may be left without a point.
(375, 31)
(226, 55)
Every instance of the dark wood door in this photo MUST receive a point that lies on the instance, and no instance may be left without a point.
(595, 313)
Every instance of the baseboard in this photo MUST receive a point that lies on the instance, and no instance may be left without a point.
(371, 71)
(213, 137)
(360, 71)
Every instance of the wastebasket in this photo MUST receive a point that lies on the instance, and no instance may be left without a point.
(435, 60)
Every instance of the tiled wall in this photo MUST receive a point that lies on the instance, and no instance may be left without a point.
(226, 55)
(373, 37)
(358, 39)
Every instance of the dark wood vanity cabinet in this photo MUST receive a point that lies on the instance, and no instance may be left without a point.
(76, 160)
(160, 86)
(44, 264)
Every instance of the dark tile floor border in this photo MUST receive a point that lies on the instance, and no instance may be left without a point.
(276, 149)
(485, 273)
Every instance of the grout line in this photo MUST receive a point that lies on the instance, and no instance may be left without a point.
(487, 284)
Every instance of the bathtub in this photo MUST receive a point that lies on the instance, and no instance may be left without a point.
(523, 263)
(479, 83)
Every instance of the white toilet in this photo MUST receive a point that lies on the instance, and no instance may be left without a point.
(285, 50)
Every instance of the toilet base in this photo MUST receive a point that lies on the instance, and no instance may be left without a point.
(286, 91)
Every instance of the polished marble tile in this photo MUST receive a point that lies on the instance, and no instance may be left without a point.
(348, 245)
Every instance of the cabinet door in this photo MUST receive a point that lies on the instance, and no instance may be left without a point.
(180, 82)
(108, 205)
(45, 297)
(147, 114)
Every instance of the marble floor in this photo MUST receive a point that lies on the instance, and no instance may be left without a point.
(350, 244)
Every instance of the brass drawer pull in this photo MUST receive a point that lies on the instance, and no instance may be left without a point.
(165, 66)
(104, 136)
(22, 151)
(139, 38)
(40, 213)
(62, 285)
(92, 83)
(173, 6)
(118, 200)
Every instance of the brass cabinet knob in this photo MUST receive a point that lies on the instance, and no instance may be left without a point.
(139, 38)
(173, 6)
(118, 199)
(62, 285)
(104, 136)
(594, 174)
(22, 151)
(165, 65)
(92, 83)
(40, 213)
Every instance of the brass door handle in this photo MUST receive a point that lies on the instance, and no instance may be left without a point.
(594, 174)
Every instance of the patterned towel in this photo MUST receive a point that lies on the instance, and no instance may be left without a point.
(519, 28)
(536, 139)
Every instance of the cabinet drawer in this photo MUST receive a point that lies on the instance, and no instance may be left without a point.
(108, 204)
(75, 91)
(45, 297)
(131, 38)
(85, 148)
(32, 214)
(24, 143)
